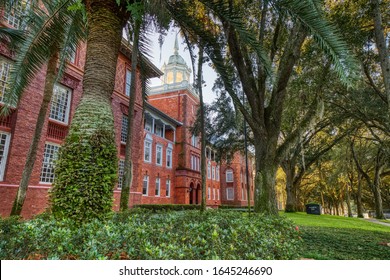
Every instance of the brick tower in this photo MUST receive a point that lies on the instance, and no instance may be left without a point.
(178, 99)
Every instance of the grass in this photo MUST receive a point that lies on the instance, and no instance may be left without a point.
(328, 237)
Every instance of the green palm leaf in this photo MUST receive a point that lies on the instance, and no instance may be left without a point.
(52, 30)
(324, 33)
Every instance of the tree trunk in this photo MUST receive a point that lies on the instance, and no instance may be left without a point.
(202, 128)
(348, 199)
(50, 80)
(86, 169)
(359, 197)
(382, 49)
(128, 166)
(289, 169)
(265, 179)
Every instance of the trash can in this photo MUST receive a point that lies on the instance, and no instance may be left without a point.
(313, 208)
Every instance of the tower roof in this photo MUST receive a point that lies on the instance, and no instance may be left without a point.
(176, 58)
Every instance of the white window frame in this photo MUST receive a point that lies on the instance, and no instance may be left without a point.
(213, 172)
(209, 193)
(124, 126)
(3, 159)
(5, 67)
(217, 173)
(168, 188)
(65, 119)
(158, 146)
(229, 173)
(148, 144)
(169, 154)
(148, 126)
(208, 170)
(147, 185)
(158, 187)
(230, 193)
(15, 14)
(48, 164)
(121, 172)
(213, 193)
(128, 82)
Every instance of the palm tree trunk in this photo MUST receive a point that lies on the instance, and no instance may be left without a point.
(202, 128)
(128, 168)
(50, 79)
(86, 169)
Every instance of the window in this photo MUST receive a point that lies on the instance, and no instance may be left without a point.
(229, 194)
(229, 175)
(147, 150)
(168, 188)
(213, 173)
(169, 158)
(49, 156)
(208, 170)
(128, 82)
(145, 185)
(125, 123)
(194, 141)
(5, 68)
(60, 104)
(4, 144)
(14, 15)
(217, 173)
(208, 193)
(121, 172)
(158, 130)
(214, 193)
(218, 191)
(242, 192)
(72, 56)
(159, 155)
(157, 191)
(148, 125)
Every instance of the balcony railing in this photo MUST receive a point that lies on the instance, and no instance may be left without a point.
(57, 131)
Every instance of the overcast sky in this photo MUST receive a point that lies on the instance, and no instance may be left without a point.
(209, 75)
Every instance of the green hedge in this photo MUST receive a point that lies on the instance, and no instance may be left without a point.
(143, 234)
(168, 207)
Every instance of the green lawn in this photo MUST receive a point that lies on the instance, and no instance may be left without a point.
(333, 237)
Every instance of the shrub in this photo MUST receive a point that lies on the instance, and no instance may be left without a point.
(144, 234)
(86, 169)
(168, 207)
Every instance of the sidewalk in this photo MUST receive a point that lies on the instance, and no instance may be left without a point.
(377, 222)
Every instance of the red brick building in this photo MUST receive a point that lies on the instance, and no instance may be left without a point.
(176, 98)
(234, 184)
(166, 157)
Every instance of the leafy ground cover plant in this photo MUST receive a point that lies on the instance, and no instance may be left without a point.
(143, 234)
(341, 238)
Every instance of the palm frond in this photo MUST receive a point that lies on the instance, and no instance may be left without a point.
(50, 30)
(235, 18)
(324, 33)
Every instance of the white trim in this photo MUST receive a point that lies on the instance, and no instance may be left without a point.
(157, 191)
(3, 162)
(168, 187)
(161, 156)
(166, 157)
(147, 185)
(68, 103)
(230, 191)
(50, 163)
(229, 171)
